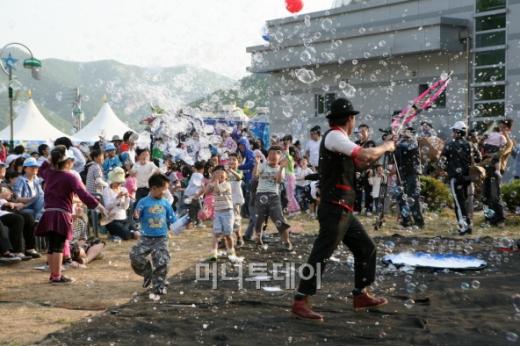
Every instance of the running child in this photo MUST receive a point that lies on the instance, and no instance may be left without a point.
(156, 216)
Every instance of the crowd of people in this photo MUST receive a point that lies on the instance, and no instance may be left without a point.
(58, 194)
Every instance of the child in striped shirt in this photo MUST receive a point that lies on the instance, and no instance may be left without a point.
(224, 217)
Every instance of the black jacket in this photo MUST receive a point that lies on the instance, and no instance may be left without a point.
(458, 155)
(407, 157)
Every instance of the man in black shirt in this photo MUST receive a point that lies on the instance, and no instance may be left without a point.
(339, 157)
(409, 166)
(363, 187)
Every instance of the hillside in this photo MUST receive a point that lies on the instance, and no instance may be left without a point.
(249, 94)
(129, 89)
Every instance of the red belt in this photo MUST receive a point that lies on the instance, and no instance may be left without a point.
(343, 187)
(343, 205)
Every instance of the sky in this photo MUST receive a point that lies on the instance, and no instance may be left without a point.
(212, 34)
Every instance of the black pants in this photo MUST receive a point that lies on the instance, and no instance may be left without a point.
(5, 243)
(56, 242)
(246, 191)
(459, 189)
(337, 225)
(410, 201)
(14, 223)
(491, 192)
(363, 192)
(121, 228)
(28, 229)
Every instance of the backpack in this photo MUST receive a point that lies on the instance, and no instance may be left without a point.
(83, 174)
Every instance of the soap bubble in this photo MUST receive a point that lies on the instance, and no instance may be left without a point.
(489, 213)
(306, 76)
(464, 286)
(516, 302)
(362, 30)
(444, 76)
(258, 57)
(409, 303)
(475, 284)
(326, 24)
(306, 56)
(349, 91)
(264, 199)
(511, 337)
(307, 20)
(59, 96)
(355, 62)
(249, 104)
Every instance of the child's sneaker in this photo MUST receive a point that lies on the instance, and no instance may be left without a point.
(62, 280)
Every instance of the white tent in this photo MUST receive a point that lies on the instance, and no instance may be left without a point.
(105, 124)
(30, 125)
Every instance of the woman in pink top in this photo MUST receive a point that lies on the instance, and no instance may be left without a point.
(56, 221)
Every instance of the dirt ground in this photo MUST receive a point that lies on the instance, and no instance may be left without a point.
(106, 305)
(30, 308)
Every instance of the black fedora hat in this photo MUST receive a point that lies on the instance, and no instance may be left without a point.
(341, 108)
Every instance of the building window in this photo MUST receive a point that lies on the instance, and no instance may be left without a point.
(495, 21)
(490, 109)
(491, 39)
(440, 102)
(491, 57)
(492, 74)
(490, 5)
(322, 103)
(497, 92)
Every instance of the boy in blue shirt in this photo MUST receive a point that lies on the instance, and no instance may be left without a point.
(156, 216)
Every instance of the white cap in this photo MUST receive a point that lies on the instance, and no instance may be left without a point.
(69, 155)
(459, 126)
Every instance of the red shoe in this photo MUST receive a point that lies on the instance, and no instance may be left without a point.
(365, 300)
(302, 309)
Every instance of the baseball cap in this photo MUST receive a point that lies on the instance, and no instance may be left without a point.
(341, 108)
(110, 147)
(31, 162)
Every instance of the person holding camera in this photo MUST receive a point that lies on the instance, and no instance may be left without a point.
(117, 202)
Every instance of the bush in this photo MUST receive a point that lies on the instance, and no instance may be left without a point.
(511, 194)
(435, 193)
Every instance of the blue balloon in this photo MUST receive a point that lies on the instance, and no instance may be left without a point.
(265, 34)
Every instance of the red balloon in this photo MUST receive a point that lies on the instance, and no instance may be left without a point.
(294, 6)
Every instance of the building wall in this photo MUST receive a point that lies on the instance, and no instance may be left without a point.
(382, 86)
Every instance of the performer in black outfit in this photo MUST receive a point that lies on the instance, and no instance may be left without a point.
(459, 156)
(339, 157)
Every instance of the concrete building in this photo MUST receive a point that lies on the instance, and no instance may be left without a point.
(382, 53)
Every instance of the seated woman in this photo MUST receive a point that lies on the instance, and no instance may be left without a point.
(19, 224)
(117, 202)
(29, 189)
(6, 256)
